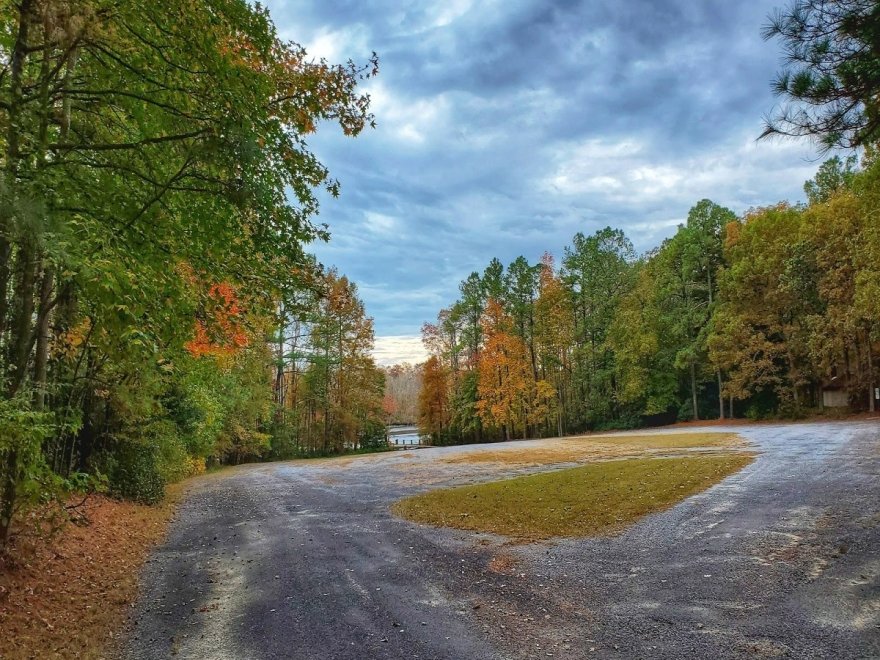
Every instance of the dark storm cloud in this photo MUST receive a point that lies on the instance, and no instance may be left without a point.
(505, 127)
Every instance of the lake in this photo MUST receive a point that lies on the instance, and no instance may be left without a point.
(403, 436)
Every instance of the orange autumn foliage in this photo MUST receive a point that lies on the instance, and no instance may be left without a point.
(389, 405)
(510, 395)
(221, 333)
(433, 408)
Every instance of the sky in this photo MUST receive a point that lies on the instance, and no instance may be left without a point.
(503, 128)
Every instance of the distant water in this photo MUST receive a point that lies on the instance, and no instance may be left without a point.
(402, 436)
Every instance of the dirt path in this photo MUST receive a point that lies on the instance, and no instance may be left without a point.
(303, 560)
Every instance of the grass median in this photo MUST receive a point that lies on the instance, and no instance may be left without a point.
(594, 447)
(594, 499)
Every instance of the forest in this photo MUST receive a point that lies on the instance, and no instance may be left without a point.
(761, 315)
(164, 314)
(159, 312)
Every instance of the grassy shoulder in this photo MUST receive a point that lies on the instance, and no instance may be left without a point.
(69, 597)
(597, 498)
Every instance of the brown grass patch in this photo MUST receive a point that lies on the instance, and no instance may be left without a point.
(69, 598)
(597, 498)
(584, 448)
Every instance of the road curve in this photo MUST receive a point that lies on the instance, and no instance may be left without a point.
(304, 560)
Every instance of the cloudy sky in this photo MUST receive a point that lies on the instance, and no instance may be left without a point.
(506, 127)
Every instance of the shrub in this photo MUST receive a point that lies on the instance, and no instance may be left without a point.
(135, 472)
(25, 479)
(373, 436)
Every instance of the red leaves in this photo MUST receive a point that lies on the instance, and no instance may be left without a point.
(221, 333)
(389, 405)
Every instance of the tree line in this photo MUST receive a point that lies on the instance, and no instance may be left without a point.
(156, 195)
(329, 393)
(403, 382)
(756, 315)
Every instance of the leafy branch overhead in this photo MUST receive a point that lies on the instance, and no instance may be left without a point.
(830, 83)
(156, 197)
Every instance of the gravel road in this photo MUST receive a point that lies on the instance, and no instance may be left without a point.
(304, 560)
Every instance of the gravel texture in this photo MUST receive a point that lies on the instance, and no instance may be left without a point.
(304, 560)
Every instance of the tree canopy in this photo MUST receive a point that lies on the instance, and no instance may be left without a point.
(753, 315)
(830, 82)
(156, 196)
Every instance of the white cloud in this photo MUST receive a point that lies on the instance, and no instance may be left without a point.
(626, 174)
(396, 349)
(349, 42)
(379, 223)
(410, 121)
(449, 11)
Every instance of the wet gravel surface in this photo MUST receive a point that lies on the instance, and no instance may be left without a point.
(304, 560)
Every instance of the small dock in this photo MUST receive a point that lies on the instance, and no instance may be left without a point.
(404, 437)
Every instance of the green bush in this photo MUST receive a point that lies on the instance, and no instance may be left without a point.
(25, 479)
(284, 443)
(373, 436)
(629, 418)
(135, 471)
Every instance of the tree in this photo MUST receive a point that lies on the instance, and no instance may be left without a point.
(553, 337)
(402, 385)
(834, 237)
(689, 266)
(345, 385)
(509, 394)
(640, 338)
(833, 175)
(520, 292)
(831, 78)
(760, 333)
(660, 327)
(433, 398)
(151, 153)
(470, 310)
(598, 271)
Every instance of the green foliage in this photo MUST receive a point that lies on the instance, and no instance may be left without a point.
(627, 419)
(25, 479)
(135, 471)
(284, 441)
(328, 390)
(833, 175)
(832, 75)
(141, 271)
(755, 314)
(373, 436)
(762, 406)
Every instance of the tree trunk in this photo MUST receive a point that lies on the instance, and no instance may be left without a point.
(16, 68)
(720, 396)
(41, 359)
(22, 331)
(694, 391)
(5, 254)
(279, 372)
(7, 505)
(871, 382)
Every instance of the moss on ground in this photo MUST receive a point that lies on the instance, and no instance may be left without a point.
(594, 499)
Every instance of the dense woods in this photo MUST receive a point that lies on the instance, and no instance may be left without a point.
(329, 391)
(403, 383)
(775, 313)
(159, 311)
(157, 308)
